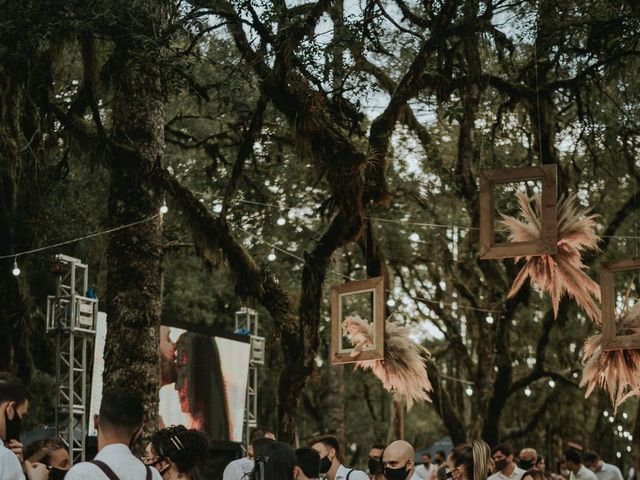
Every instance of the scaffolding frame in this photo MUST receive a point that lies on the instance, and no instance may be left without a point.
(247, 320)
(72, 316)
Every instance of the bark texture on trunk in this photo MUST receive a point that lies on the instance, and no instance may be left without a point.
(12, 313)
(135, 254)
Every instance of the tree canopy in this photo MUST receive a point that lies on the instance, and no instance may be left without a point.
(301, 143)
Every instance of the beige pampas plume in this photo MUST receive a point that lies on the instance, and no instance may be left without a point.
(403, 369)
(617, 371)
(564, 272)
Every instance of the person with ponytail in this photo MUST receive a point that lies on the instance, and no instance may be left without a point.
(177, 452)
(470, 461)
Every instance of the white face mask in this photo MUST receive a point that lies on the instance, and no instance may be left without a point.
(565, 472)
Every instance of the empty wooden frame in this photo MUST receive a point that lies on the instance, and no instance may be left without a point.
(547, 244)
(343, 299)
(610, 338)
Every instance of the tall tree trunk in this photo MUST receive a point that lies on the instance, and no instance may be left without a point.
(135, 254)
(13, 344)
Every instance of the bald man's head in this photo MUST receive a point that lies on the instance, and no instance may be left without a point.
(398, 460)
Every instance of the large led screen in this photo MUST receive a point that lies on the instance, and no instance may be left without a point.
(203, 380)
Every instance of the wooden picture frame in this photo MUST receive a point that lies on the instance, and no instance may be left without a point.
(610, 339)
(548, 242)
(339, 353)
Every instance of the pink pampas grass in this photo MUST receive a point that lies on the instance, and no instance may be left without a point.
(617, 371)
(563, 273)
(403, 369)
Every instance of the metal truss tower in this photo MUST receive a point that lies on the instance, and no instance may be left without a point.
(247, 321)
(72, 315)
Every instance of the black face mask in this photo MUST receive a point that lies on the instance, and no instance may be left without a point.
(501, 464)
(395, 473)
(525, 464)
(56, 473)
(13, 426)
(325, 464)
(375, 466)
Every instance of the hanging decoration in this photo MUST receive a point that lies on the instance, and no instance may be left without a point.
(403, 369)
(353, 298)
(616, 371)
(545, 240)
(564, 272)
(612, 357)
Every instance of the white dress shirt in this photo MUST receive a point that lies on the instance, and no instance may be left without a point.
(515, 475)
(10, 468)
(583, 474)
(609, 472)
(425, 471)
(120, 459)
(238, 469)
(342, 472)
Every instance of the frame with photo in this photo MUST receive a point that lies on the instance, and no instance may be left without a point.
(364, 298)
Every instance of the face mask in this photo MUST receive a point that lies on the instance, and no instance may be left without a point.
(13, 426)
(565, 472)
(325, 464)
(395, 473)
(375, 466)
(56, 473)
(525, 464)
(501, 464)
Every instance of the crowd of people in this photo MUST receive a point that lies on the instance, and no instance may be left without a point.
(179, 453)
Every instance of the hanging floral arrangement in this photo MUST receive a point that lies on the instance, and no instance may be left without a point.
(403, 369)
(616, 371)
(564, 272)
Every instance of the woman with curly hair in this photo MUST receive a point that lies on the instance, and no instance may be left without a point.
(177, 452)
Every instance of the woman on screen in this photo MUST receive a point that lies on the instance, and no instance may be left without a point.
(200, 385)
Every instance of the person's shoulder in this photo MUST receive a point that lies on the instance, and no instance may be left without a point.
(155, 474)
(10, 467)
(358, 474)
(610, 466)
(494, 476)
(82, 470)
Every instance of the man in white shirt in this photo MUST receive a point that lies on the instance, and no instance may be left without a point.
(604, 471)
(119, 424)
(14, 404)
(573, 461)
(242, 467)
(506, 469)
(328, 448)
(427, 469)
(398, 461)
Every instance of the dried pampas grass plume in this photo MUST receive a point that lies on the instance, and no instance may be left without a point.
(562, 273)
(617, 371)
(403, 369)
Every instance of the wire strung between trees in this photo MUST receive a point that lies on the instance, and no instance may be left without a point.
(282, 207)
(92, 235)
(348, 278)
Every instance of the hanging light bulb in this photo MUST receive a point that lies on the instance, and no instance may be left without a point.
(391, 302)
(16, 269)
(624, 415)
(281, 221)
(605, 413)
(469, 391)
(552, 383)
(164, 209)
(611, 419)
(489, 319)
(414, 237)
(272, 256)
(527, 392)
